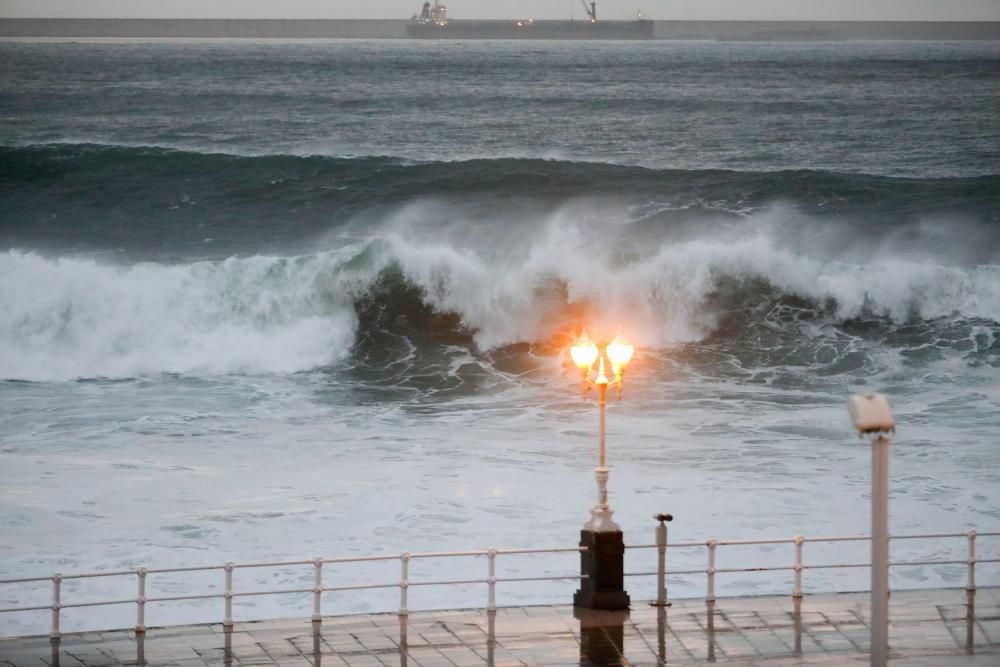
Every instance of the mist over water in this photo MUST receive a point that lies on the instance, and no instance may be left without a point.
(275, 300)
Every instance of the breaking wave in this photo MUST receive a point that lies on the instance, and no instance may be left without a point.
(128, 261)
(68, 317)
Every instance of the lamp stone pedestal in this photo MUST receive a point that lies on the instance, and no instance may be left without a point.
(603, 564)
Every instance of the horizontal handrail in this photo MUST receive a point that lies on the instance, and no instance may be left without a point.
(359, 559)
(798, 566)
(173, 598)
(361, 587)
(491, 580)
(317, 590)
(449, 554)
(192, 568)
(42, 608)
(791, 540)
(555, 550)
(566, 577)
(290, 563)
(25, 580)
(282, 592)
(280, 563)
(446, 582)
(97, 603)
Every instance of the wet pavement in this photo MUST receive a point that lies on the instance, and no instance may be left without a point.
(929, 628)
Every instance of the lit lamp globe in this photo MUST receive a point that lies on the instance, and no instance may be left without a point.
(584, 354)
(620, 353)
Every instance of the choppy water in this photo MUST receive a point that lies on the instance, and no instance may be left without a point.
(287, 299)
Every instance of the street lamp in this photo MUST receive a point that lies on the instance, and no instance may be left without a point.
(584, 353)
(871, 416)
(602, 563)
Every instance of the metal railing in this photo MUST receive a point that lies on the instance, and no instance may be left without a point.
(797, 565)
(316, 590)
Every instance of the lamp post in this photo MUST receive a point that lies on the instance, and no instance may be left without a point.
(871, 416)
(602, 563)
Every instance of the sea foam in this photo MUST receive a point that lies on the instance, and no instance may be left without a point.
(65, 317)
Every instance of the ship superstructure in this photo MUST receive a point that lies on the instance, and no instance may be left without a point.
(436, 14)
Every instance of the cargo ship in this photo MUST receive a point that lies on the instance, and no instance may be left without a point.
(433, 23)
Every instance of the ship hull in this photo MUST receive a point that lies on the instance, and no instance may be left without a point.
(531, 30)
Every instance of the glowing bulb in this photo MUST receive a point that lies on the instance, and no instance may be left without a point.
(584, 353)
(620, 353)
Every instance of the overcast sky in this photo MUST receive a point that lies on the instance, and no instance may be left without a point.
(933, 10)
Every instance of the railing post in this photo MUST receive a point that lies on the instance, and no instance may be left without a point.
(491, 580)
(317, 616)
(404, 583)
(710, 570)
(797, 592)
(661, 559)
(140, 603)
(971, 583)
(228, 621)
(56, 604)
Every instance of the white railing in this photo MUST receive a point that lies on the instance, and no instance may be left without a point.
(316, 590)
(797, 566)
(491, 579)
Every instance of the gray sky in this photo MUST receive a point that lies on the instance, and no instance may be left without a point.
(921, 10)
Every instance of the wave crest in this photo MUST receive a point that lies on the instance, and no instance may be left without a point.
(665, 292)
(70, 318)
(482, 286)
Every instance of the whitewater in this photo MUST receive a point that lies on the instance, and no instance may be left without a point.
(340, 327)
(71, 318)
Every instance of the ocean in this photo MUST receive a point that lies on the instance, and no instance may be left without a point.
(277, 300)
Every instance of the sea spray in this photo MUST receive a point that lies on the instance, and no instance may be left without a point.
(66, 317)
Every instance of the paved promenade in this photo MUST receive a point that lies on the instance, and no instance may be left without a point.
(932, 628)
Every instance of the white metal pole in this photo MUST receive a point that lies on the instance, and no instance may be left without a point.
(56, 604)
(404, 583)
(228, 621)
(317, 616)
(661, 564)
(880, 552)
(600, 516)
(601, 471)
(710, 571)
(140, 601)
(797, 592)
(970, 584)
(491, 580)
(661, 559)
